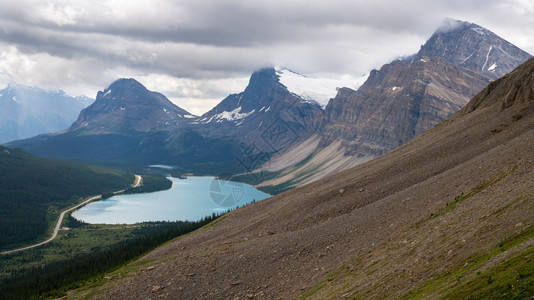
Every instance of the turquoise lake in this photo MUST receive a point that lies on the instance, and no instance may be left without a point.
(189, 199)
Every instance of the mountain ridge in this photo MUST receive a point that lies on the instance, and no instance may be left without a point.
(261, 126)
(29, 111)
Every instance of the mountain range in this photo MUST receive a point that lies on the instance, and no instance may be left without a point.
(28, 111)
(400, 101)
(448, 215)
(422, 178)
(281, 132)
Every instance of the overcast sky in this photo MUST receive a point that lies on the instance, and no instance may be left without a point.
(197, 52)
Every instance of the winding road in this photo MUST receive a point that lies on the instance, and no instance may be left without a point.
(137, 182)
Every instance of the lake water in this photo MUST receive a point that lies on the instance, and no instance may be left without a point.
(189, 199)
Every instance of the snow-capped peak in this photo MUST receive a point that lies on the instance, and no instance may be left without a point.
(316, 89)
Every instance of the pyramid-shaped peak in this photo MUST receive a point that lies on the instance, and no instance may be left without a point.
(473, 47)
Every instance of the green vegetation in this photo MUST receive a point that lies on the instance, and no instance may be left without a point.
(132, 149)
(52, 277)
(511, 278)
(475, 190)
(33, 191)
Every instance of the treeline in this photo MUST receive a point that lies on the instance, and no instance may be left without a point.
(55, 279)
(31, 188)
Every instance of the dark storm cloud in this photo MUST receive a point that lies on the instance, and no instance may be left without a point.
(196, 41)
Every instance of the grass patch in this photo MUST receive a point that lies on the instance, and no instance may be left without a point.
(449, 206)
(313, 290)
(460, 280)
(512, 279)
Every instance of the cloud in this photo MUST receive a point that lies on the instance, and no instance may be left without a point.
(196, 49)
(194, 95)
(14, 64)
(56, 14)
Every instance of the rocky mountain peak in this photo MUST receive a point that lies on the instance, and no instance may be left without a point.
(127, 104)
(474, 48)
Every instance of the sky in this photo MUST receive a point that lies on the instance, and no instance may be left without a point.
(198, 52)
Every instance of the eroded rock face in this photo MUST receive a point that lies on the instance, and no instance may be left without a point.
(398, 103)
(516, 87)
(474, 48)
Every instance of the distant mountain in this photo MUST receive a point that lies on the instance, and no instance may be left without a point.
(266, 115)
(28, 111)
(400, 101)
(406, 98)
(128, 105)
(32, 187)
(474, 48)
(130, 126)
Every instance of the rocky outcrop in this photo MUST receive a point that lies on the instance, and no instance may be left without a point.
(516, 87)
(397, 103)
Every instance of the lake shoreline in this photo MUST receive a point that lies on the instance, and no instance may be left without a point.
(187, 200)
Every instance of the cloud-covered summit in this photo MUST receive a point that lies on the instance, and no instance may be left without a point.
(197, 52)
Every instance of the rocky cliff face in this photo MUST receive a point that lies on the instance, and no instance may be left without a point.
(127, 105)
(474, 48)
(400, 101)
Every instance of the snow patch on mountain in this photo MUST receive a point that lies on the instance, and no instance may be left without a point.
(479, 30)
(230, 115)
(315, 89)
